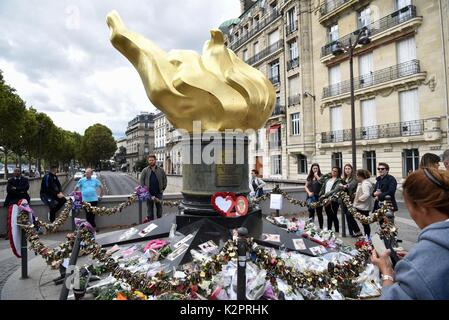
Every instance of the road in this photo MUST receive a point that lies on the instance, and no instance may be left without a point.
(115, 183)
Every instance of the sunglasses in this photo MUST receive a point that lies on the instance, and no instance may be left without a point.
(381, 169)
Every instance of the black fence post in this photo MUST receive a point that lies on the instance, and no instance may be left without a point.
(69, 271)
(241, 266)
(343, 222)
(24, 254)
(140, 212)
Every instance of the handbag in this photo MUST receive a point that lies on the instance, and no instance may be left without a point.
(311, 199)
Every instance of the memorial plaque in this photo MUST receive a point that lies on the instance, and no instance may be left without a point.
(228, 175)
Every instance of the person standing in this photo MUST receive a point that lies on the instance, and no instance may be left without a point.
(313, 188)
(363, 201)
(154, 178)
(17, 188)
(445, 159)
(386, 185)
(256, 184)
(349, 185)
(329, 186)
(89, 187)
(51, 193)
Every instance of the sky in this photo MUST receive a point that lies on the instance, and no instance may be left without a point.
(57, 54)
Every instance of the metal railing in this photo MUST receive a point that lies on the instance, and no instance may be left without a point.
(278, 110)
(275, 145)
(293, 63)
(290, 28)
(390, 130)
(380, 76)
(293, 100)
(387, 22)
(330, 5)
(266, 52)
(275, 79)
(255, 29)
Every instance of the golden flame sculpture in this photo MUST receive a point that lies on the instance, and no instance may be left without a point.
(216, 88)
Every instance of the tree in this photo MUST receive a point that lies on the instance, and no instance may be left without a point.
(120, 157)
(12, 113)
(140, 164)
(97, 144)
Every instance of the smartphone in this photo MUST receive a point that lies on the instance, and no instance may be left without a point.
(379, 245)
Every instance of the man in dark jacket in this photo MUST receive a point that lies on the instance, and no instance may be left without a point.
(155, 179)
(51, 193)
(385, 186)
(17, 188)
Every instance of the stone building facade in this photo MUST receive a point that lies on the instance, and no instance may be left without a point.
(139, 138)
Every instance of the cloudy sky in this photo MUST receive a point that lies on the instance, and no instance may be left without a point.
(57, 53)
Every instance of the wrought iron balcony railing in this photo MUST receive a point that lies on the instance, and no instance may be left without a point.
(278, 110)
(380, 76)
(275, 145)
(255, 29)
(294, 100)
(390, 130)
(265, 52)
(293, 63)
(387, 22)
(290, 28)
(330, 5)
(275, 79)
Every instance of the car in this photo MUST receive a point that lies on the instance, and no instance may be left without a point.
(78, 175)
(94, 175)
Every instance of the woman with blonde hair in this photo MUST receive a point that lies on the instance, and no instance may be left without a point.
(424, 272)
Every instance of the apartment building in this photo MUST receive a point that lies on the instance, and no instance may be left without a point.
(160, 138)
(139, 138)
(400, 80)
(167, 145)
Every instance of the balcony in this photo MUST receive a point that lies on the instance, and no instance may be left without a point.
(275, 79)
(398, 71)
(255, 30)
(294, 100)
(265, 52)
(376, 29)
(278, 110)
(332, 8)
(293, 63)
(290, 28)
(275, 145)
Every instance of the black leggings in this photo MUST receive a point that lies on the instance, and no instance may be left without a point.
(352, 224)
(90, 217)
(332, 217)
(319, 213)
(366, 227)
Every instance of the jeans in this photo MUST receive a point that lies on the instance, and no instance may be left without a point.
(150, 208)
(332, 217)
(352, 224)
(366, 227)
(319, 213)
(90, 217)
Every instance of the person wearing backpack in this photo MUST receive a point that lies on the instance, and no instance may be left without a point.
(51, 193)
(256, 184)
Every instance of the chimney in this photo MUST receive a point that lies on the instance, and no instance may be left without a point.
(246, 4)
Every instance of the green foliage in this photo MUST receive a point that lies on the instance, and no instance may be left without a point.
(140, 164)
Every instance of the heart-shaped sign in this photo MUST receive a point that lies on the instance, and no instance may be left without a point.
(223, 202)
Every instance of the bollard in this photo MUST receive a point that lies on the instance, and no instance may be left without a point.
(72, 262)
(241, 266)
(24, 254)
(140, 212)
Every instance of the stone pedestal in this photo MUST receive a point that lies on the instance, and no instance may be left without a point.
(216, 165)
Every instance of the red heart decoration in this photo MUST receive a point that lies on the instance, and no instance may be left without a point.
(223, 202)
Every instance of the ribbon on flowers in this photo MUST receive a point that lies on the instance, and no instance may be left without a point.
(155, 244)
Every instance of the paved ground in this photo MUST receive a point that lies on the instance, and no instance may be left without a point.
(115, 183)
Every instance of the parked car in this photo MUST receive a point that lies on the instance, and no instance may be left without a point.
(78, 175)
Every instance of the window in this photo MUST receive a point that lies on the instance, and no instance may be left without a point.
(295, 123)
(258, 146)
(409, 105)
(256, 48)
(275, 137)
(336, 123)
(366, 69)
(273, 38)
(337, 159)
(410, 161)
(293, 50)
(274, 72)
(364, 17)
(245, 55)
(369, 161)
(334, 80)
(291, 21)
(406, 51)
(276, 164)
(401, 4)
(302, 163)
(333, 33)
(368, 111)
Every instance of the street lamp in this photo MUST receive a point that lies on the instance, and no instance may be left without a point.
(339, 48)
